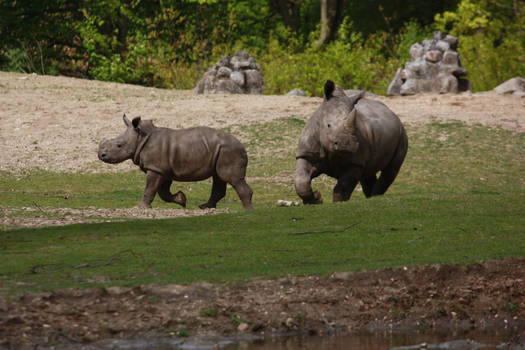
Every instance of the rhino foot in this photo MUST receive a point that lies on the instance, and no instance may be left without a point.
(180, 198)
(207, 206)
(143, 205)
(317, 199)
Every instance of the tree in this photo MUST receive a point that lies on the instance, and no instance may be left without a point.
(331, 16)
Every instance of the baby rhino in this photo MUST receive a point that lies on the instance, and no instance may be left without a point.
(183, 155)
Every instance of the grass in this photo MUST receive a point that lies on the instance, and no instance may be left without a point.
(458, 199)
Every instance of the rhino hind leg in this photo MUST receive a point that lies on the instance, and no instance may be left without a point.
(389, 173)
(218, 191)
(245, 193)
(231, 168)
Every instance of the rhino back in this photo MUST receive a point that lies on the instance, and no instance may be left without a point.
(380, 131)
(187, 154)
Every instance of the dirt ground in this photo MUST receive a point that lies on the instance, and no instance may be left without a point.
(56, 123)
(445, 298)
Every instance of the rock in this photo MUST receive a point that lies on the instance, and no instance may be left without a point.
(238, 78)
(243, 327)
(239, 74)
(515, 86)
(395, 86)
(435, 66)
(296, 92)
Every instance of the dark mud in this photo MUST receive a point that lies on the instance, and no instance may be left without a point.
(486, 296)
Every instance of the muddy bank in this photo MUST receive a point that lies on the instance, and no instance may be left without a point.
(485, 296)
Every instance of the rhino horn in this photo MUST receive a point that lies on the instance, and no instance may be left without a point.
(126, 120)
(350, 120)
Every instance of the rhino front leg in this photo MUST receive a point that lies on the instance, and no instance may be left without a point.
(304, 173)
(345, 186)
(153, 183)
(166, 196)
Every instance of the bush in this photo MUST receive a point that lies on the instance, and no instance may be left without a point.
(350, 61)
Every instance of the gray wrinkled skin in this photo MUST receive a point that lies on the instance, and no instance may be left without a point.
(351, 139)
(193, 154)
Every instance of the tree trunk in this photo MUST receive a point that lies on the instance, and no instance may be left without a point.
(330, 18)
(289, 11)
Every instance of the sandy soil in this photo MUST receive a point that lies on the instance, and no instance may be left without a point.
(56, 123)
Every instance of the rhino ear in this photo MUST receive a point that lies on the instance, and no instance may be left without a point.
(126, 120)
(136, 122)
(350, 120)
(329, 88)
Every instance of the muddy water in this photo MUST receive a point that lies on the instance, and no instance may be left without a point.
(357, 341)
(392, 341)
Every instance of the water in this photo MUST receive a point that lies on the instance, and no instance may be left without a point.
(359, 341)
(392, 341)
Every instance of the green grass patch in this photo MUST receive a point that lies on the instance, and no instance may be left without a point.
(458, 199)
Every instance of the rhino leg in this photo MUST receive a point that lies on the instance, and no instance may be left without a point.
(231, 168)
(245, 193)
(368, 185)
(153, 182)
(344, 188)
(389, 173)
(218, 191)
(166, 196)
(304, 173)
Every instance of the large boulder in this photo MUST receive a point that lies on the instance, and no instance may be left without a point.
(232, 75)
(514, 86)
(435, 66)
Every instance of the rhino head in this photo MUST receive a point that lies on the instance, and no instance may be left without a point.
(123, 147)
(338, 116)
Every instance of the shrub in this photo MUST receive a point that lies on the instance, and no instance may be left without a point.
(351, 61)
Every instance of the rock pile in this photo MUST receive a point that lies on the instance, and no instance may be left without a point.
(435, 66)
(232, 75)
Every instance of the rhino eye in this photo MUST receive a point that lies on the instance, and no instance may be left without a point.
(328, 125)
(119, 146)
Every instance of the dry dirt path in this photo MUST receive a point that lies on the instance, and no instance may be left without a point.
(56, 123)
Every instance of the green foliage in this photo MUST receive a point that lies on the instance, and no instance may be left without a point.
(351, 61)
(491, 40)
(411, 33)
(171, 43)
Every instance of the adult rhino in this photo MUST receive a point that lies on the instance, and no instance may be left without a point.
(182, 155)
(350, 138)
